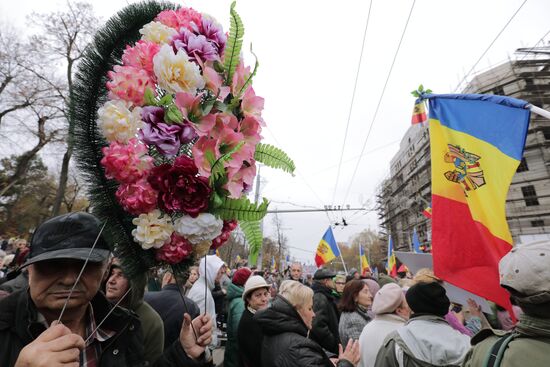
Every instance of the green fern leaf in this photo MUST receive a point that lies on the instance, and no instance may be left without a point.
(274, 157)
(254, 237)
(241, 209)
(234, 44)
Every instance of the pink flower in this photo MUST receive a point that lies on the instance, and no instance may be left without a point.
(182, 17)
(253, 105)
(199, 150)
(250, 128)
(214, 82)
(175, 251)
(138, 197)
(129, 83)
(141, 56)
(190, 107)
(196, 46)
(239, 78)
(240, 179)
(126, 163)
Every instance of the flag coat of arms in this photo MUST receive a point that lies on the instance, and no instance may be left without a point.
(364, 261)
(327, 250)
(476, 144)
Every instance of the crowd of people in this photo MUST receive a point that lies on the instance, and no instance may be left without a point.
(255, 318)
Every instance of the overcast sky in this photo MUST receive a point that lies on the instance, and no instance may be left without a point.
(308, 53)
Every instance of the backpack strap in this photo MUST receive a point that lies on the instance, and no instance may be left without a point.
(496, 352)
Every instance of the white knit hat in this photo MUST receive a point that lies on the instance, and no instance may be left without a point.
(253, 283)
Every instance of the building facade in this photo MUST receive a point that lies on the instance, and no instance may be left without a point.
(406, 192)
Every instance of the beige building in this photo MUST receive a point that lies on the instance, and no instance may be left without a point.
(406, 192)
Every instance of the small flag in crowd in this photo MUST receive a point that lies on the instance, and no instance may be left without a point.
(416, 242)
(476, 144)
(428, 212)
(419, 113)
(238, 259)
(392, 262)
(364, 261)
(273, 264)
(327, 248)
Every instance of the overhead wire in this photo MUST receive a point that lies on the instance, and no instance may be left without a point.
(379, 101)
(351, 103)
(489, 47)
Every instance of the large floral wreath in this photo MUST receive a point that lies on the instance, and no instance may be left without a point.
(183, 123)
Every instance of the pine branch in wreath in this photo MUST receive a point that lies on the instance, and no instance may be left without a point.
(88, 94)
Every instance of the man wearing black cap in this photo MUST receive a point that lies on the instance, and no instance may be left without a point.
(325, 323)
(426, 339)
(30, 334)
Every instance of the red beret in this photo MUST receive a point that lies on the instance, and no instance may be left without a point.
(240, 277)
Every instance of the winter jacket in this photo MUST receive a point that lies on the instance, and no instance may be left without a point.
(234, 312)
(424, 341)
(205, 284)
(352, 324)
(373, 336)
(286, 342)
(169, 305)
(19, 327)
(250, 339)
(530, 346)
(325, 323)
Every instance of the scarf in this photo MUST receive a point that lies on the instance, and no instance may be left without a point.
(533, 326)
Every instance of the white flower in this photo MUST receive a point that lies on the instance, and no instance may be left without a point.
(118, 122)
(152, 229)
(175, 73)
(196, 230)
(157, 32)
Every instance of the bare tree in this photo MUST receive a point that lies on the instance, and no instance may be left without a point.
(62, 38)
(281, 240)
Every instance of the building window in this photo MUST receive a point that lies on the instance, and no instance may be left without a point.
(537, 223)
(530, 195)
(546, 132)
(523, 165)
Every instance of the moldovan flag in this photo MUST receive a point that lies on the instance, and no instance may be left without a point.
(476, 146)
(392, 263)
(364, 261)
(419, 113)
(327, 248)
(428, 212)
(416, 242)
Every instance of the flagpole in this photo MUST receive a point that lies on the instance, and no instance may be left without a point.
(539, 111)
(341, 258)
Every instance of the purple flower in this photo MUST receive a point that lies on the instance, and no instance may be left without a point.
(152, 114)
(196, 46)
(187, 134)
(213, 32)
(165, 137)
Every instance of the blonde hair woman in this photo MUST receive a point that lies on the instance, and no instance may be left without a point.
(286, 325)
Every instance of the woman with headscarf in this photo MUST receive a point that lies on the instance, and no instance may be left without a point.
(286, 325)
(354, 306)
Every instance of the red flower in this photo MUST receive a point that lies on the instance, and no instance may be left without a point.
(174, 251)
(180, 188)
(228, 227)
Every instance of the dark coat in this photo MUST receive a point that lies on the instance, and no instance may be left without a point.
(169, 305)
(250, 339)
(325, 324)
(18, 327)
(286, 342)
